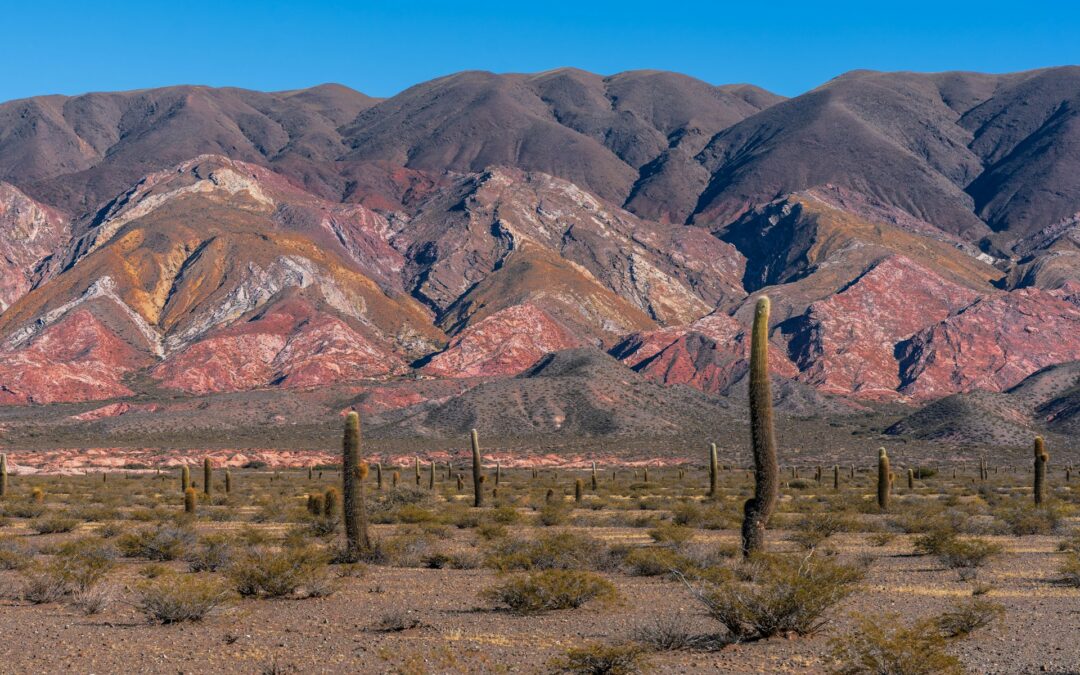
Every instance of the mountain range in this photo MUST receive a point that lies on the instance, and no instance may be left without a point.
(434, 257)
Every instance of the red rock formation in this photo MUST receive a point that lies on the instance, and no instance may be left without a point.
(291, 344)
(502, 344)
(75, 359)
(846, 344)
(991, 345)
(29, 232)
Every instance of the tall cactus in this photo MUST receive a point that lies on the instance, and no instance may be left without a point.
(884, 480)
(498, 473)
(579, 488)
(185, 478)
(3, 475)
(714, 469)
(594, 476)
(208, 476)
(478, 477)
(228, 481)
(378, 475)
(836, 477)
(758, 509)
(910, 478)
(1041, 458)
(416, 466)
(352, 487)
(189, 500)
(431, 476)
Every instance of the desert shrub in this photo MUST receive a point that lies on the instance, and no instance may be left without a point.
(177, 598)
(1070, 570)
(800, 484)
(930, 517)
(162, 543)
(966, 555)
(653, 561)
(505, 515)
(1071, 544)
(110, 530)
(42, 584)
(881, 538)
(968, 616)
(14, 555)
(880, 644)
(212, 554)
(324, 526)
(396, 621)
(811, 531)
(1028, 520)
(551, 589)
(276, 573)
(602, 659)
(491, 531)
(670, 533)
(27, 509)
(409, 548)
(153, 571)
(666, 634)
(557, 550)
(55, 524)
(554, 513)
(778, 595)
(93, 600)
(83, 562)
(933, 541)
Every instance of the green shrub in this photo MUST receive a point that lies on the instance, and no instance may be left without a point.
(1028, 520)
(670, 533)
(968, 616)
(177, 598)
(557, 550)
(163, 543)
(54, 524)
(550, 590)
(212, 554)
(14, 555)
(966, 554)
(1070, 570)
(601, 659)
(880, 644)
(278, 573)
(780, 594)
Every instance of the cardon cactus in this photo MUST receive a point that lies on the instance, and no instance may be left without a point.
(836, 477)
(758, 509)
(185, 478)
(460, 482)
(714, 469)
(416, 468)
(594, 477)
(352, 487)
(884, 481)
(330, 502)
(579, 488)
(478, 477)
(431, 476)
(498, 473)
(189, 500)
(1041, 458)
(208, 475)
(228, 481)
(3, 476)
(911, 479)
(378, 476)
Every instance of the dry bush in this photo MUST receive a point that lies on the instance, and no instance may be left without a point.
(1028, 520)
(184, 597)
(602, 659)
(811, 531)
(165, 542)
(1070, 570)
(968, 616)
(93, 600)
(880, 644)
(780, 595)
(666, 634)
(275, 573)
(212, 554)
(966, 555)
(82, 563)
(55, 524)
(396, 621)
(671, 533)
(551, 589)
(14, 554)
(558, 550)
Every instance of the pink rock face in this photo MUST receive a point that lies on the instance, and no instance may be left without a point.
(75, 359)
(505, 343)
(113, 410)
(848, 340)
(291, 344)
(992, 345)
(709, 354)
(28, 233)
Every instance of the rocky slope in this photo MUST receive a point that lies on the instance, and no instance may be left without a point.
(421, 255)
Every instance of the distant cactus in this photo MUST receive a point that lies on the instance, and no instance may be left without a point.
(594, 477)
(758, 509)
(1041, 459)
(352, 487)
(330, 502)
(208, 476)
(37, 495)
(3, 476)
(646, 474)
(394, 478)
(310, 472)
(185, 478)
(713, 470)
(416, 468)
(313, 507)
(431, 476)
(478, 477)
(836, 477)
(378, 475)
(884, 485)
(579, 487)
(228, 481)
(911, 479)
(498, 472)
(460, 482)
(189, 500)
(550, 496)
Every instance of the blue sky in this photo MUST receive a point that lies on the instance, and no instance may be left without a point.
(382, 48)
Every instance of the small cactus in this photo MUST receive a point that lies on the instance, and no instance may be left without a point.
(884, 485)
(228, 481)
(498, 472)
(431, 476)
(208, 476)
(185, 478)
(836, 477)
(579, 487)
(189, 500)
(460, 482)
(550, 496)
(713, 470)
(594, 477)
(330, 502)
(911, 479)
(394, 478)
(478, 477)
(3, 475)
(37, 495)
(310, 472)
(1041, 459)
(378, 476)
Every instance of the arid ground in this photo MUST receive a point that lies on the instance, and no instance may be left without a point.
(98, 572)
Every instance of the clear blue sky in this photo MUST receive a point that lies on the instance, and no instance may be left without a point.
(382, 48)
